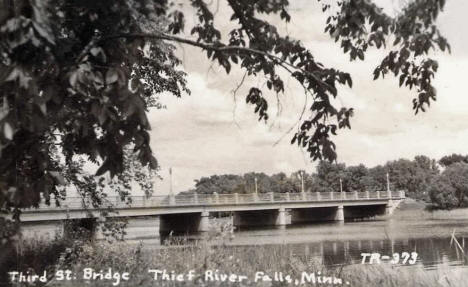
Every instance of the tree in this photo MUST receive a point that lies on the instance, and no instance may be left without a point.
(218, 183)
(377, 179)
(356, 178)
(457, 174)
(453, 158)
(450, 189)
(414, 176)
(442, 193)
(82, 75)
(330, 175)
(61, 87)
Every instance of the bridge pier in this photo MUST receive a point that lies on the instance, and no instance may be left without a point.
(183, 223)
(204, 224)
(142, 227)
(315, 214)
(281, 220)
(339, 215)
(364, 212)
(43, 229)
(269, 217)
(388, 209)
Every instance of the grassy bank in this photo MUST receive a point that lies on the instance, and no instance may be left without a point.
(241, 261)
(411, 209)
(205, 256)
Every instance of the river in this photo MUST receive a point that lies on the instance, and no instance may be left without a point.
(343, 243)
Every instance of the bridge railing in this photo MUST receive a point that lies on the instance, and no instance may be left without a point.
(233, 198)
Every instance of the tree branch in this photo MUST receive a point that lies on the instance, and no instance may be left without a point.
(217, 48)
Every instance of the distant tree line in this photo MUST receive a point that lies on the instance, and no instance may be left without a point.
(443, 183)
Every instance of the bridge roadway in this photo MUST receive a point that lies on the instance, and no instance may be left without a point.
(190, 213)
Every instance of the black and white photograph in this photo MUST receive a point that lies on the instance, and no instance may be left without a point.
(234, 143)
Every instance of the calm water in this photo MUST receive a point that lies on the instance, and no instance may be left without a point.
(338, 244)
(342, 243)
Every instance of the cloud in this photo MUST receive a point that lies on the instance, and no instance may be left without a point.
(210, 133)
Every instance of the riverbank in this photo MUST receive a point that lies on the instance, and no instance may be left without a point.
(205, 265)
(279, 252)
(411, 209)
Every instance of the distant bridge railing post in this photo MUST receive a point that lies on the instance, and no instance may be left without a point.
(331, 195)
(272, 197)
(367, 194)
(216, 198)
(356, 194)
(378, 194)
(318, 196)
(195, 197)
(172, 200)
(236, 198)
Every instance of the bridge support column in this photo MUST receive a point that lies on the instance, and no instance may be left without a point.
(281, 220)
(184, 223)
(46, 229)
(389, 208)
(204, 225)
(339, 215)
(269, 217)
(142, 227)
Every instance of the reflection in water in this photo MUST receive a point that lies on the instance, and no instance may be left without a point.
(431, 251)
(337, 244)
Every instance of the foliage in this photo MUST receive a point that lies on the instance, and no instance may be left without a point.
(77, 78)
(67, 97)
(230, 183)
(414, 32)
(82, 75)
(453, 158)
(442, 193)
(457, 175)
(413, 176)
(416, 177)
(38, 254)
(240, 260)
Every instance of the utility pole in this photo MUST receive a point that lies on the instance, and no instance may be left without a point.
(302, 180)
(388, 182)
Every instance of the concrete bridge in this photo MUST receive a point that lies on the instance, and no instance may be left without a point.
(191, 213)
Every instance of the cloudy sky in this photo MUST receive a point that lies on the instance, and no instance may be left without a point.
(214, 132)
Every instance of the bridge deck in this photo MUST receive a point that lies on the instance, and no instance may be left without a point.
(74, 207)
(73, 203)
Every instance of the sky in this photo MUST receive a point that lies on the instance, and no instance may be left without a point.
(213, 130)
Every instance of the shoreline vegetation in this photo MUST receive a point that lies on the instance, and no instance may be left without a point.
(441, 183)
(206, 265)
(411, 208)
(277, 262)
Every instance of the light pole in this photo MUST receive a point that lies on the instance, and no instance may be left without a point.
(302, 180)
(341, 185)
(255, 179)
(388, 182)
(172, 200)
